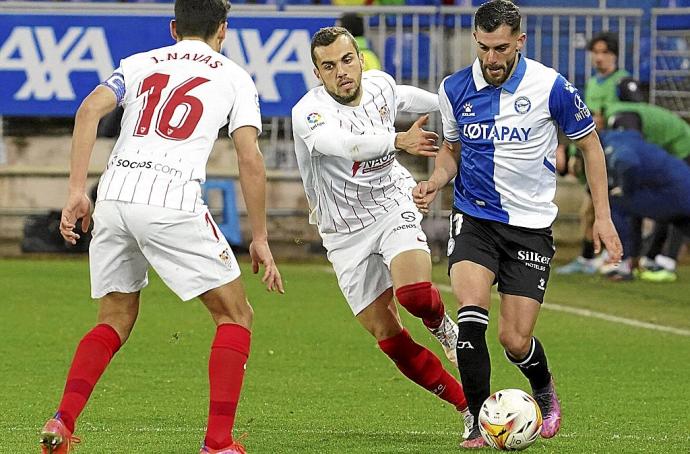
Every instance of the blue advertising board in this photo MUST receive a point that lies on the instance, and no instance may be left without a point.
(49, 63)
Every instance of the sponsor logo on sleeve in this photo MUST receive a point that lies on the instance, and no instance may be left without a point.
(569, 87)
(314, 120)
(582, 110)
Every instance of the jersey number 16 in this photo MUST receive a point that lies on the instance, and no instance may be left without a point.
(190, 107)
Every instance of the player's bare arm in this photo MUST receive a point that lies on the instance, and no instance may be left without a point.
(253, 182)
(595, 168)
(446, 167)
(94, 107)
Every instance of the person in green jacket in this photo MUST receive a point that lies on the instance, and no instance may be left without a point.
(354, 23)
(600, 90)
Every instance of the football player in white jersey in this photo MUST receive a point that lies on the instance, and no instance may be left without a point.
(149, 210)
(360, 198)
(502, 114)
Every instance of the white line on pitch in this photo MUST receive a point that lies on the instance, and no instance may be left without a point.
(601, 316)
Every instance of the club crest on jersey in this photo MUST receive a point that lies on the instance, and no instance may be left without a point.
(314, 120)
(522, 105)
(467, 110)
(373, 165)
(385, 114)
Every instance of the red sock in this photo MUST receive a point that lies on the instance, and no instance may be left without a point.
(93, 354)
(424, 368)
(226, 365)
(422, 300)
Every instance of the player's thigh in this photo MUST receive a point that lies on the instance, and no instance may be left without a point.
(186, 249)
(381, 318)
(472, 261)
(362, 275)
(410, 267)
(518, 316)
(228, 304)
(404, 246)
(115, 261)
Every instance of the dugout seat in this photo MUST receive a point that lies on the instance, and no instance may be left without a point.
(230, 221)
(403, 58)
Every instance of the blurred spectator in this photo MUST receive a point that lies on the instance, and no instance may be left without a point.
(600, 90)
(660, 126)
(645, 182)
(354, 23)
(666, 129)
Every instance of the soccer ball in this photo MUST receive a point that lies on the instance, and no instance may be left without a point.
(510, 420)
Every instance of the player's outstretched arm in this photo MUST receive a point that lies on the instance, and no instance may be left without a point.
(416, 100)
(253, 182)
(94, 107)
(445, 169)
(603, 229)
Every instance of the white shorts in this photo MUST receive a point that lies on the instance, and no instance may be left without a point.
(186, 249)
(362, 259)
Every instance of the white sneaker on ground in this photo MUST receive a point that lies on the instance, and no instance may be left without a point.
(447, 335)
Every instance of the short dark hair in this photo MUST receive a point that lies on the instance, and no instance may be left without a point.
(353, 23)
(327, 36)
(610, 39)
(200, 17)
(491, 15)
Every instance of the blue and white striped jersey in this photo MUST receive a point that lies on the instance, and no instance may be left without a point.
(508, 138)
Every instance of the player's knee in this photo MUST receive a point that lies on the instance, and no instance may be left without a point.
(418, 298)
(515, 344)
(241, 313)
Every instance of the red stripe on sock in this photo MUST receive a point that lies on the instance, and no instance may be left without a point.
(229, 353)
(423, 367)
(91, 358)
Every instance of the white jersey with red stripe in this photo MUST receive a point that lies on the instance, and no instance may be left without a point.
(346, 195)
(175, 100)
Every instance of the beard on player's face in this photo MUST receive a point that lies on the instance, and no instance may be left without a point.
(497, 73)
(345, 95)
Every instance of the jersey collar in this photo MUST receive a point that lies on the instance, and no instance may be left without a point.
(510, 85)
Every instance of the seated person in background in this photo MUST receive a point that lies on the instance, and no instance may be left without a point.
(645, 182)
(659, 126)
(669, 131)
(354, 23)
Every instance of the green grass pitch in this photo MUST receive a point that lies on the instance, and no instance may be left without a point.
(317, 383)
